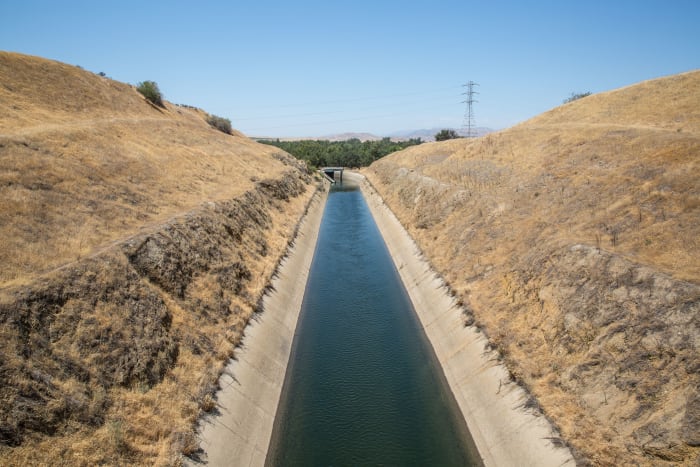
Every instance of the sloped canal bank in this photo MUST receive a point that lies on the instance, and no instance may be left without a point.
(365, 398)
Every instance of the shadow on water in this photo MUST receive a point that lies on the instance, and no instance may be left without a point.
(363, 385)
(344, 186)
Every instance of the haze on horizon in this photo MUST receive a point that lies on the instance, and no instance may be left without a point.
(314, 68)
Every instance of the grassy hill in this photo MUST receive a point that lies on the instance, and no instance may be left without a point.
(136, 242)
(87, 160)
(572, 240)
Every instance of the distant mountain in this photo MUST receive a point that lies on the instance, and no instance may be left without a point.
(350, 135)
(424, 134)
(332, 137)
(429, 134)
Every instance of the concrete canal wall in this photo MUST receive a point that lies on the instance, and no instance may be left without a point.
(239, 432)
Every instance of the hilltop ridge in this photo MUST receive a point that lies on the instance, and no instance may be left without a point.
(571, 240)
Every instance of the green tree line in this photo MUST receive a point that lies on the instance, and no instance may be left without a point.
(349, 153)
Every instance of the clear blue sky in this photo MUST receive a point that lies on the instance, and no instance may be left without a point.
(312, 68)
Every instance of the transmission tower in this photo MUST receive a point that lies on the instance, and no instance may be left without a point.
(469, 112)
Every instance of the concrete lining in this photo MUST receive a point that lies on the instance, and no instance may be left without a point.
(239, 432)
(505, 433)
(493, 408)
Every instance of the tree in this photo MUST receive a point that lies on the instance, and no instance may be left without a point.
(150, 91)
(349, 153)
(446, 134)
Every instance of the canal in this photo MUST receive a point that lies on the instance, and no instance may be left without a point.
(363, 386)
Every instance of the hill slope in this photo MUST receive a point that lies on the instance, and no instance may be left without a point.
(86, 160)
(572, 240)
(136, 244)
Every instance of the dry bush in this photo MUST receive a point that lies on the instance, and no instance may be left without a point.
(220, 123)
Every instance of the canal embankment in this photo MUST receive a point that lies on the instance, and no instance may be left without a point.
(239, 431)
(495, 409)
(504, 429)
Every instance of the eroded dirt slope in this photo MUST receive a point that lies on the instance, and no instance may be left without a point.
(572, 240)
(136, 244)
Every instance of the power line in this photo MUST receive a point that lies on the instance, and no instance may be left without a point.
(393, 111)
(345, 109)
(469, 112)
(354, 119)
(355, 99)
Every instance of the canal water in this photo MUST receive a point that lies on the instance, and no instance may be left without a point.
(363, 386)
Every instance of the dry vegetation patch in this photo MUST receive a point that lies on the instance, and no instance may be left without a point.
(572, 239)
(136, 245)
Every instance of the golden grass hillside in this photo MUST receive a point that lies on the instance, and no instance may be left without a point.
(573, 241)
(87, 160)
(136, 243)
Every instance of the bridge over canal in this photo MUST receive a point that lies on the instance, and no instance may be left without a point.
(333, 174)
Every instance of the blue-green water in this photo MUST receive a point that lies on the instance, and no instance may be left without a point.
(363, 387)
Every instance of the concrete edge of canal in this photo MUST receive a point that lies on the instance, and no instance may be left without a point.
(240, 430)
(503, 431)
(239, 433)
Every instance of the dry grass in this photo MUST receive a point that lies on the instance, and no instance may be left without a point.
(86, 161)
(500, 218)
(135, 244)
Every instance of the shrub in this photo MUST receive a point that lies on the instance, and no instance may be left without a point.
(575, 96)
(150, 91)
(220, 123)
(444, 135)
